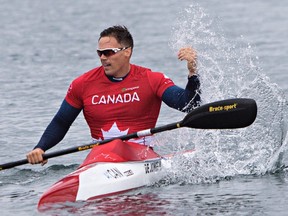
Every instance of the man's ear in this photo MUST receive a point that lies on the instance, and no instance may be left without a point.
(128, 52)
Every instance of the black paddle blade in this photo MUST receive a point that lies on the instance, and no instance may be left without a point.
(225, 114)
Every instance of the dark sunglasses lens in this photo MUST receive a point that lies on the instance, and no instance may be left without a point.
(106, 53)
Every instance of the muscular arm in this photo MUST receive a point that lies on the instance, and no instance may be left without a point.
(183, 100)
(58, 127)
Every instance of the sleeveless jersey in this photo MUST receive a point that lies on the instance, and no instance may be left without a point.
(114, 109)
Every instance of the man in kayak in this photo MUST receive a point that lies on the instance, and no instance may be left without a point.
(113, 95)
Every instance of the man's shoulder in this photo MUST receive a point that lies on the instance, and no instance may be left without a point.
(91, 74)
(155, 78)
(140, 70)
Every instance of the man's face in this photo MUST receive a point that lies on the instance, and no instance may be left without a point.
(117, 64)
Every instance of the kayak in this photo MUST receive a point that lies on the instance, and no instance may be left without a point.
(114, 168)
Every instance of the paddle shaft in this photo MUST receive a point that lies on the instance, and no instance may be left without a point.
(124, 137)
(91, 145)
(225, 114)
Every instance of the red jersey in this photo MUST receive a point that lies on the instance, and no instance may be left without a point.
(113, 109)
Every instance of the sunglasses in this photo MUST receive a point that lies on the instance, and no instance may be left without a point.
(109, 51)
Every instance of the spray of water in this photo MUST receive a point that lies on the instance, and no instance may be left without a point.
(229, 69)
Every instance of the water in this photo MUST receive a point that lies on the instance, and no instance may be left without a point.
(243, 52)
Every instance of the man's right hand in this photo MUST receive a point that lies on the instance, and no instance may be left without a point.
(36, 156)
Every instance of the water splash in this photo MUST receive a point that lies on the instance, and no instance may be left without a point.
(230, 69)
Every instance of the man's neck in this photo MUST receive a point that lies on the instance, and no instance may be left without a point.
(117, 79)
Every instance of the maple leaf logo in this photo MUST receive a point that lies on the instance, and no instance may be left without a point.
(114, 131)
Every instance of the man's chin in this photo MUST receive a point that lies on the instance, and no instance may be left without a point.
(108, 72)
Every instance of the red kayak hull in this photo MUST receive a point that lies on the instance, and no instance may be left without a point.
(117, 151)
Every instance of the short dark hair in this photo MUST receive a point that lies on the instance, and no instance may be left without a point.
(120, 33)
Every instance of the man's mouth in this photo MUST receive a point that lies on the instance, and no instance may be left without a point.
(106, 64)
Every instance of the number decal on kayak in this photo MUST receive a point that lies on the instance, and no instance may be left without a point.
(152, 166)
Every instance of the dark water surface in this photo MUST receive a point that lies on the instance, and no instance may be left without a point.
(242, 52)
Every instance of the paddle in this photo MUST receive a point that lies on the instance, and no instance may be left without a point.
(225, 114)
